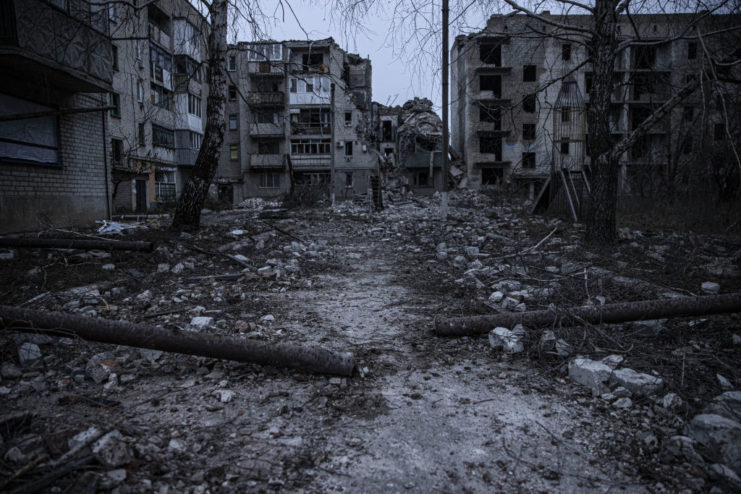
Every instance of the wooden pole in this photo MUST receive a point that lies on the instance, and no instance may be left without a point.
(310, 358)
(446, 138)
(609, 313)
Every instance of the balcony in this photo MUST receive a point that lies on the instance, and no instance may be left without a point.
(160, 37)
(311, 129)
(186, 156)
(259, 98)
(315, 162)
(267, 161)
(266, 130)
(40, 42)
(265, 69)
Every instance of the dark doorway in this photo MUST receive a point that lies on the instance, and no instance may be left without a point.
(141, 196)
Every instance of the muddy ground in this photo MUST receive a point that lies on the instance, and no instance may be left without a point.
(421, 414)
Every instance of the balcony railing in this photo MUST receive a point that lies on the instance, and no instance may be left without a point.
(266, 68)
(272, 161)
(259, 98)
(159, 36)
(311, 128)
(266, 129)
(303, 162)
(186, 156)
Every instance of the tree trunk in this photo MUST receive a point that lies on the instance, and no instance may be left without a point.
(188, 212)
(600, 221)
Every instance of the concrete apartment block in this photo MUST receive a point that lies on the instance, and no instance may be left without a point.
(282, 113)
(55, 67)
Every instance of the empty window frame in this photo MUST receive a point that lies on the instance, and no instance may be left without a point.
(644, 57)
(691, 50)
(268, 146)
(233, 121)
(528, 160)
(114, 54)
(348, 148)
(565, 114)
(232, 63)
(566, 51)
(312, 60)
(266, 117)
(528, 132)
(719, 132)
(492, 175)
(142, 134)
(269, 180)
(234, 152)
(232, 92)
(490, 52)
(491, 144)
(348, 179)
(116, 151)
(163, 137)
(688, 113)
(348, 118)
(528, 73)
(490, 114)
(528, 103)
(421, 179)
(491, 83)
(565, 146)
(194, 105)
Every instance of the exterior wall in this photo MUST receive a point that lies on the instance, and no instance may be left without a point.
(36, 196)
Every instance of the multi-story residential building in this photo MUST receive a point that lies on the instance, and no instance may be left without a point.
(55, 75)
(159, 95)
(519, 97)
(300, 108)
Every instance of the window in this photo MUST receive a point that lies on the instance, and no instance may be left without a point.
(528, 160)
(309, 87)
(139, 91)
(161, 97)
(348, 148)
(233, 152)
(141, 134)
(268, 146)
(265, 51)
(348, 118)
(114, 54)
(233, 121)
(588, 80)
(687, 145)
(310, 146)
(294, 84)
(719, 132)
(528, 73)
(645, 56)
(195, 140)
(184, 65)
(491, 83)
(490, 52)
(194, 105)
(163, 137)
(348, 179)
(387, 131)
(269, 180)
(687, 113)
(115, 102)
(161, 64)
(491, 144)
(312, 60)
(232, 93)
(566, 51)
(232, 63)
(691, 50)
(489, 113)
(565, 114)
(528, 132)
(492, 175)
(116, 151)
(33, 140)
(565, 146)
(421, 179)
(311, 121)
(528, 103)
(266, 117)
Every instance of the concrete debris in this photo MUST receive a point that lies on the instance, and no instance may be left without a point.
(727, 405)
(589, 373)
(682, 447)
(720, 437)
(638, 383)
(112, 451)
(201, 322)
(28, 353)
(710, 287)
(723, 381)
(623, 403)
(101, 366)
(503, 338)
(9, 371)
(671, 401)
(613, 361)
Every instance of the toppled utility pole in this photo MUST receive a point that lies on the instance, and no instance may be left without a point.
(74, 243)
(310, 358)
(609, 313)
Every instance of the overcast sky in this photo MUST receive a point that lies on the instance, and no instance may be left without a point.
(398, 74)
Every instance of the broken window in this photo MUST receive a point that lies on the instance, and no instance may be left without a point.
(490, 143)
(388, 151)
(565, 114)
(528, 73)
(312, 60)
(490, 113)
(161, 64)
(268, 146)
(115, 102)
(266, 117)
(644, 57)
(194, 105)
(386, 131)
(232, 63)
(232, 93)
(348, 148)
(528, 132)
(233, 121)
(565, 145)
(161, 97)
(492, 175)
(310, 146)
(348, 179)
(691, 50)
(184, 65)
(114, 54)
(311, 121)
(566, 51)
(491, 83)
(348, 118)
(234, 152)
(163, 137)
(116, 151)
(421, 179)
(269, 180)
(528, 160)
(528, 103)
(490, 52)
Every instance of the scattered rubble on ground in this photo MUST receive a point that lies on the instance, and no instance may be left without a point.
(639, 404)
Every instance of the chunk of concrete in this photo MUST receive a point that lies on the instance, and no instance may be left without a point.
(719, 436)
(201, 322)
(507, 340)
(589, 373)
(111, 450)
(100, 366)
(710, 287)
(28, 352)
(637, 382)
(727, 404)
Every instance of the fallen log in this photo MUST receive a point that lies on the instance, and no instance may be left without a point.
(76, 243)
(608, 313)
(310, 358)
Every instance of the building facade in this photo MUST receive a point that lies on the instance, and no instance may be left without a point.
(159, 98)
(519, 98)
(55, 74)
(298, 113)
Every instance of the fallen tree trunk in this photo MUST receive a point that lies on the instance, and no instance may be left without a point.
(609, 313)
(76, 243)
(308, 358)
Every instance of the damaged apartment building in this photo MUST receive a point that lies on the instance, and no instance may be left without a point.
(519, 97)
(159, 99)
(55, 75)
(298, 115)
